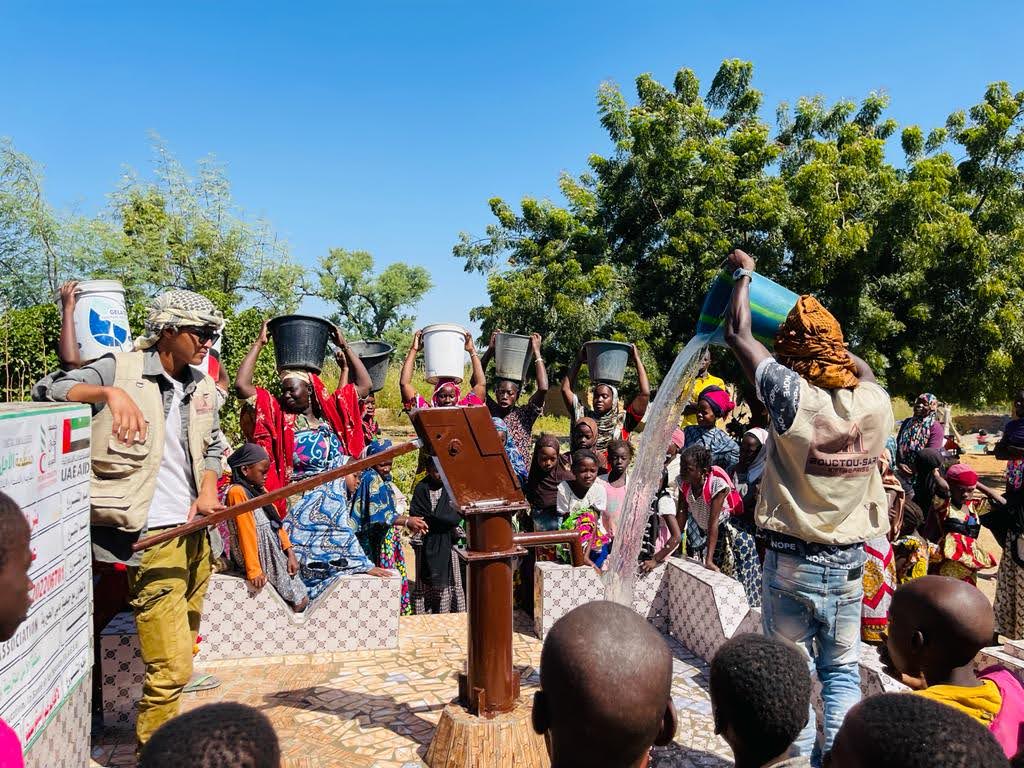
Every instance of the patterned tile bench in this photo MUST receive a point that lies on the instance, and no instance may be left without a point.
(356, 613)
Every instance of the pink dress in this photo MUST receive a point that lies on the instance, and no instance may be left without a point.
(616, 498)
(10, 748)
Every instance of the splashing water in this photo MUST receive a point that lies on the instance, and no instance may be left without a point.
(663, 417)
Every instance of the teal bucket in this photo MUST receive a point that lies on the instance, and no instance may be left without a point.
(769, 305)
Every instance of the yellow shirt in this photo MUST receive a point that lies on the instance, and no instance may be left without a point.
(699, 385)
(982, 702)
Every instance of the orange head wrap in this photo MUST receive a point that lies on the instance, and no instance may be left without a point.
(810, 342)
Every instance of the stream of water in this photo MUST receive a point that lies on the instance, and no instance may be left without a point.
(663, 416)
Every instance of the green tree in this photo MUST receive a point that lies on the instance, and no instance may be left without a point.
(921, 263)
(371, 306)
(180, 232)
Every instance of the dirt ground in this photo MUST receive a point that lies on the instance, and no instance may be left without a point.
(990, 470)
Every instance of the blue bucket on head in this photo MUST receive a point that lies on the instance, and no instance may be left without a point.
(769, 305)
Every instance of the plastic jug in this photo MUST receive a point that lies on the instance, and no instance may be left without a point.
(769, 305)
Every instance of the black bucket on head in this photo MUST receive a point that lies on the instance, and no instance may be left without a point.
(300, 341)
(376, 356)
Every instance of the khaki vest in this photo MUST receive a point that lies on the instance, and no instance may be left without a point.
(821, 481)
(124, 476)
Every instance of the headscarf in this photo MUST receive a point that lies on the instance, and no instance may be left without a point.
(514, 456)
(441, 385)
(585, 421)
(542, 487)
(962, 475)
(247, 455)
(810, 342)
(373, 502)
(295, 373)
(370, 426)
(608, 423)
(178, 309)
(718, 400)
(914, 432)
(756, 468)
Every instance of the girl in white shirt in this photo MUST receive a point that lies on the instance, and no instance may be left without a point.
(581, 504)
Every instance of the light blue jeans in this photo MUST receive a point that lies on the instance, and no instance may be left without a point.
(815, 602)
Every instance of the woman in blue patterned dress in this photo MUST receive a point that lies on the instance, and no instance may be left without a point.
(319, 526)
(377, 522)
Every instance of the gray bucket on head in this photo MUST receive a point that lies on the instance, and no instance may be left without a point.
(607, 360)
(376, 356)
(513, 354)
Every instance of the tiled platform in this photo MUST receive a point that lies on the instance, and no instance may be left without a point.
(378, 709)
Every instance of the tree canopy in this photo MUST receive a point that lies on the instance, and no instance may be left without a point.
(920, 261)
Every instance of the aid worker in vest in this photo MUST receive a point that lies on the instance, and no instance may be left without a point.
(821, 493)
(156, 449)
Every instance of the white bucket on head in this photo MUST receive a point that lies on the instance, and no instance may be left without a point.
(101, 319)
(444, 352)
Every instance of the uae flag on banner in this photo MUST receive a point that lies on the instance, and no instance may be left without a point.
(76, 434)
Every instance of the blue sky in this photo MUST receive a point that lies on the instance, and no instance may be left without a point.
(388, 126)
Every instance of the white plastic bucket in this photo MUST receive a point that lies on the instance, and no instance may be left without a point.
(101, 319)
(444, 351)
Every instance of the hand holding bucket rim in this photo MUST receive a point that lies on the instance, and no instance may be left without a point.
(770, 303)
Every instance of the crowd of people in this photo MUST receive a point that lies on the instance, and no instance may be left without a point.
(838, 530)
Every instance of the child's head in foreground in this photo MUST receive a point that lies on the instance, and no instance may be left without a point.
(225, 735)
(936, 625)
(605, 698)
(900, 730)
(760, 692)
(15, 559)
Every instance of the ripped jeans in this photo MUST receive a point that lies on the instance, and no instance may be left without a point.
(815, 602)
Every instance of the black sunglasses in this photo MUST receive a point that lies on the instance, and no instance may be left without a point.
(202, 333)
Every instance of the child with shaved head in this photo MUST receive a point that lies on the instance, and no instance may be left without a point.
(605, 698)
(937, 625)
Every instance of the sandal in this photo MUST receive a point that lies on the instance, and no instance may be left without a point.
(201, 683)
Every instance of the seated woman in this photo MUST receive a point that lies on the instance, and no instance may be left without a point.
(518, 418)
(611, 423)
(438, 571)
(713, 404)
(305, 430)
(376, 518)
(446, 392)
(259, 543)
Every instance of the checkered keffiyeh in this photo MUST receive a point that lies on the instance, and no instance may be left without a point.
(177, 309)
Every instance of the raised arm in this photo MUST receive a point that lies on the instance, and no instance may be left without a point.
(738, 334)
(67, 348)
(405, 377)
(489, 352)
(864, 372)
(992, 495)
(361, 378)
(541, 371)
(643, 397)
(569, 382)
(476, 381)
(244, 388)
